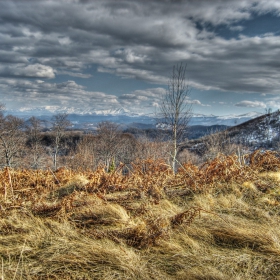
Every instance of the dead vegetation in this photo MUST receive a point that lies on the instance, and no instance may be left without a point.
(216, 221)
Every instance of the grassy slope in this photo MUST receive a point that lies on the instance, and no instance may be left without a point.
(217, 222)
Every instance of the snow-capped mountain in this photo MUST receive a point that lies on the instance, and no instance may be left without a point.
(123, 116)
(51, 110)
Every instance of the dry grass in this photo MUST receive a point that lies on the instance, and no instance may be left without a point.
(219, 221)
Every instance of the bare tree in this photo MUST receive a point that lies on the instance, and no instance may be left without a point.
(59, 124)
(11, 138)
(83, 155)
(2, 109)
(34, 132)
(157, 148)
(218, 142)
(109, 141)
(175, 109)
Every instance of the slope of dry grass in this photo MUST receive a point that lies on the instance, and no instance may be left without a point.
(218, 221)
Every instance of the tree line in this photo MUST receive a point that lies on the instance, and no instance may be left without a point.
(25, 144)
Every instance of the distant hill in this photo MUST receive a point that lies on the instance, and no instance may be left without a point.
(193, 132)
(260, 132)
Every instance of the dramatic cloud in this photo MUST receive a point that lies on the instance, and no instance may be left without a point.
(136, 40)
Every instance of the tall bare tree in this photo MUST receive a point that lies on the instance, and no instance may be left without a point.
(59, 124)
(175, 109)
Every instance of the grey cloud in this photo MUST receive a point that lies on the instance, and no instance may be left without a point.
(9, 58)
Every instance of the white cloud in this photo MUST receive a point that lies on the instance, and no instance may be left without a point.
(74, 74)
(67, 94)
(32, 70)
(197, 102)
(36, 70)
(142, 100)
(251, 104)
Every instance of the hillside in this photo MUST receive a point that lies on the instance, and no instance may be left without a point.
(193, 132)
(260, 132)
(219, 221)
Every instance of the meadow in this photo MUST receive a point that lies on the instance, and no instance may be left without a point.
(219, 220)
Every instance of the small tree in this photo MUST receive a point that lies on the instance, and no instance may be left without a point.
(59, 124)
(175, 109)
(83, 154)
(34, 129)
(11, 138)
(219, 142)
(109, 141)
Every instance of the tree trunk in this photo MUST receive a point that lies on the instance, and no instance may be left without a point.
(55, 159)
(174, 156)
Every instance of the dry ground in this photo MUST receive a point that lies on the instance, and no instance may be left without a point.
(218, 221)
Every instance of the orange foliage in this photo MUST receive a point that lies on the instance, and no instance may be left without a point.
(151, 178)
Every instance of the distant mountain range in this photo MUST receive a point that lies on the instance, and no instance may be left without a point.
(82, 119)
(51, 110)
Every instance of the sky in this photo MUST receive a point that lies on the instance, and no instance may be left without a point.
(91, 56)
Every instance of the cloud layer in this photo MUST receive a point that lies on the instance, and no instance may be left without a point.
(133, 39)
